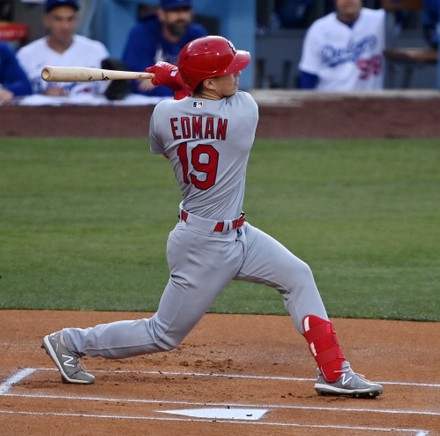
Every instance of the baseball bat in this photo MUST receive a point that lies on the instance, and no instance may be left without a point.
(84, 74)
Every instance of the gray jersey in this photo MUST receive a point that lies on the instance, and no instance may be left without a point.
(208, 143)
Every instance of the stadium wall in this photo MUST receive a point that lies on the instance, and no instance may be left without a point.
(283, 114)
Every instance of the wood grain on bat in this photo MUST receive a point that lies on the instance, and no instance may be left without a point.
(84, 74)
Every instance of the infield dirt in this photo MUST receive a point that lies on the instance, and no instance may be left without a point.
(227, 361)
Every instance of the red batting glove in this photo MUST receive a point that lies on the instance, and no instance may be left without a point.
(168, 75)
(185, 92)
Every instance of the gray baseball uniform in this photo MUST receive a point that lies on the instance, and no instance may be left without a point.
(208, 143)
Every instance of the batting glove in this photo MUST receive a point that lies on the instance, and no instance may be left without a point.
(166, 74)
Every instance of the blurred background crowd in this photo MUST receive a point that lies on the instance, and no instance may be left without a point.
(134, 34)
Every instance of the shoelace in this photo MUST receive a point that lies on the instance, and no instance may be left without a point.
(80, 366)
(77, 359)
(348, 369)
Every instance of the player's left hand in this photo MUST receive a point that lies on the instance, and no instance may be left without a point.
(168, 75)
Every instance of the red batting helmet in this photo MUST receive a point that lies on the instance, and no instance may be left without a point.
(210, 56)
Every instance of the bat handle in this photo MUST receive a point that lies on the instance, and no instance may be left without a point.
(45, 73)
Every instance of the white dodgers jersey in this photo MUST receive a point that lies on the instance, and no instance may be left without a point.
(346, 58)
(83, 52)
(208, 143)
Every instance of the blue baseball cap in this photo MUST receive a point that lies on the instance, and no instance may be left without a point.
(52, 4)
(175, 4)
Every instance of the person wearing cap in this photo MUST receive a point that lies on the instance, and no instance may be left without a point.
(13, 80)
(62, 47)
(160, 37)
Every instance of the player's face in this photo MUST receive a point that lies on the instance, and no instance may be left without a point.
(225, 86)
(61, 23)
(348, 9)
(176, 21)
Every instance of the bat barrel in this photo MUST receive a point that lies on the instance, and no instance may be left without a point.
(85, 74)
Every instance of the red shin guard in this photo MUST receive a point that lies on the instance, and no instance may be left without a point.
(324, 346)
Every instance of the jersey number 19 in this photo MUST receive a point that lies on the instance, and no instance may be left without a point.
(204, 159)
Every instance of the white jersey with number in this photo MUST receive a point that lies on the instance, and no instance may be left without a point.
(346, 58)
(83, 52)
(208, 143)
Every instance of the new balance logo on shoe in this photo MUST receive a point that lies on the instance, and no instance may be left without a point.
(70, 359)
(344, 379)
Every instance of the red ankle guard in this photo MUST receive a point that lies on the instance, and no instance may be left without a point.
(324, 346)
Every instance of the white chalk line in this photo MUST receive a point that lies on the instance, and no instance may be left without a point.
(20, 375)
(28, 371)
(243, 376)
(215, 404)
(15, 378)
(269, 424)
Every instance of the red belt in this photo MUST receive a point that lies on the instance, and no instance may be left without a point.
(236, 224)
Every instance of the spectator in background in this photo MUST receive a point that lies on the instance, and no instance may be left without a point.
(62, 47)
(431, 17)
(160, 37)
(343, 50)
(13, 80)
(293, 13)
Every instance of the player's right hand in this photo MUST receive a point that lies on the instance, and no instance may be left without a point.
(168, 75)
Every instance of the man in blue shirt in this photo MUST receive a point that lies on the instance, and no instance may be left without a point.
(431, 17)
(160, 37)
(13, 80)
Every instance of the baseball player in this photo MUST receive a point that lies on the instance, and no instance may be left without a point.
(208, 137)
(343, 50)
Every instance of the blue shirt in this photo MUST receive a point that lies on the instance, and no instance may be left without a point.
(12, 76)
(431, 12)
(308, 80)
(146, 45)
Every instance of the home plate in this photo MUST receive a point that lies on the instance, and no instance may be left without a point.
(220, 413)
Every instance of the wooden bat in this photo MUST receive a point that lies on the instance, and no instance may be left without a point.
(84, 74)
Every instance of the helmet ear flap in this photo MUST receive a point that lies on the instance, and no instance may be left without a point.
(210, 56)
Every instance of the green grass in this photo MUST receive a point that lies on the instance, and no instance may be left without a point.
(84, 223)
